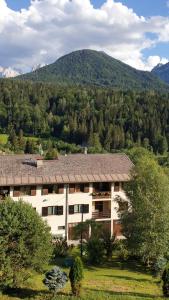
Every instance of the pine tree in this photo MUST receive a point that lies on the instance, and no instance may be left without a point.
(76, 276)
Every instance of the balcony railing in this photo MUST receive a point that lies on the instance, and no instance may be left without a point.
(101, 195)
(106, 214)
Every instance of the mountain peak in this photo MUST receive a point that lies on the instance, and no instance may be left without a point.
(162, 71)
(8, 72)
(91, 67)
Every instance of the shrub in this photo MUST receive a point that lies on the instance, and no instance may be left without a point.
(55, 279)
(60, 248)
(51, 154)
(165, 279)
(122, 250)
(25, 242)
(159, 266)
(108, 243)
(95, 251)
(76, 276)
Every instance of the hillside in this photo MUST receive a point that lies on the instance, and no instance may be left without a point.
(89, 67)
(86, 116)
(162, 71)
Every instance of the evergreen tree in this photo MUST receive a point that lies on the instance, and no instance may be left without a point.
(76, 276)
(55, 279)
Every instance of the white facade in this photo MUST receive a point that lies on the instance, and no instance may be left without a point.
(57, 222)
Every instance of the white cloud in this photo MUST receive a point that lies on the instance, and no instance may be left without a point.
(51, 28)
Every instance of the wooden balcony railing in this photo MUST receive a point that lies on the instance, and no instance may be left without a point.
(101, 195)
(106, 214)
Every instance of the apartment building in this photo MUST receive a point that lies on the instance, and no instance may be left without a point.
(68, 190)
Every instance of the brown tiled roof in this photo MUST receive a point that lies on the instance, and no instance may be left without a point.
(17, 170)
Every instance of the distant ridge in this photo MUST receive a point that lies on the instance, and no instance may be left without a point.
(90, 67)
(162, 71)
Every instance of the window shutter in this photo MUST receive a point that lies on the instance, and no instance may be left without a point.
(77, 188)
(71, 188)
(71, 209)
(60, 210)
(16, 193)
(116, 187)
(86, 188)
(44, 211)
(33, 191)
(60, 189)
(85, 208)
(45, 192)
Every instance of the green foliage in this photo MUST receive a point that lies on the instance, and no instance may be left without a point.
(76, 275)
(51, 154)
(146, 222)
(25, 242)
(60, 248)
(89, 67)
(75, 117)
(55, 279)
(165, 279)
(159, 266)
(121, 250)
(95, 251)
(109, 244)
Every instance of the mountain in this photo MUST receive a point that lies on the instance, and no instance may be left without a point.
(162, 71)
(8, 72)
(90, 67)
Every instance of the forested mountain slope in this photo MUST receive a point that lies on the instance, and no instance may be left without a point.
(89, 67)
(162, 71)
(86, 116)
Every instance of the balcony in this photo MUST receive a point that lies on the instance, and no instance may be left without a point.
(106, 214)
(101, 195)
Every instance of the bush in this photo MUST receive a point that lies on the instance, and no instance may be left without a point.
(121, 249)
(25, 243)
(109, 244)
(55, 279)
(165, 279)
(159, 266)
(51, 154)
(60, 248)
(76, 276)
(95, 251)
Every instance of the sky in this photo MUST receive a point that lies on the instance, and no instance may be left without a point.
(38, 32)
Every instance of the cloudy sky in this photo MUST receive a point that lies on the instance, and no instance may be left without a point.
(39, 31)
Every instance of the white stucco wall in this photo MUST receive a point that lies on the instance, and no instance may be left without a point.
(40, 201)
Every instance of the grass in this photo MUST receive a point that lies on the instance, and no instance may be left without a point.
(116, 281)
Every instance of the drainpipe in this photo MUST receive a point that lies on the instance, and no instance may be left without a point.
(66, 213)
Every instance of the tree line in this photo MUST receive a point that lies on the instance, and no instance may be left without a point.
(87, 116)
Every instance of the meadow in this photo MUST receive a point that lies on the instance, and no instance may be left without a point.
(115, 280)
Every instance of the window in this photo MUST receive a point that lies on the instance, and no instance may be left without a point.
(52, 189)
(117, 186)
(24, 191)
(99, 206)
(61, 227)
(78, 188)
(52, 210)
(101, 187)
(78, 208)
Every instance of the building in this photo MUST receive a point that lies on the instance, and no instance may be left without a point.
(69, 189)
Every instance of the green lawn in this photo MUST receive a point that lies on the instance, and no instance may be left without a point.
(113, 281)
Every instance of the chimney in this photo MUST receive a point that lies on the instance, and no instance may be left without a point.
(39, 162)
